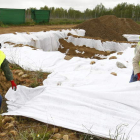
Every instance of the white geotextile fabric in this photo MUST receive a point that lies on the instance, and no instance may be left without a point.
(77, 95)
(40, 39)
(132, 37)
(89, 109)
(98, 44)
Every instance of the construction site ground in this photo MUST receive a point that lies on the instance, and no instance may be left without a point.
(107, 28)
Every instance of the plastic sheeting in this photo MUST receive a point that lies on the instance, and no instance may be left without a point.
(90, 109)
(98, 44)
(78, 95)
(47, 41)
(132, 37)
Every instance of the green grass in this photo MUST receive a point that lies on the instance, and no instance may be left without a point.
(3, 25)
(51, 22)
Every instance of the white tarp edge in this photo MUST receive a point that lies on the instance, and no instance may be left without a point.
(132, 37)
(84, 109)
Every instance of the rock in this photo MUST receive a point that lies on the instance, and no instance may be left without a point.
(21, 73)
(119, 53)
(54, 130)
(120, 65)
(13, 133)
(3, 134)
(8, 126)
(108, 51)
(28, 33)
(25, 76)
(7, 120)
(92, 62)
(113, 57)
(133, 46)
(66, 137)
(57, 136)
(113, 73)
(18, 71)
(67, 57)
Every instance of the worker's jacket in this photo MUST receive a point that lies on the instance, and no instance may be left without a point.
(5, 67)
(136, 59)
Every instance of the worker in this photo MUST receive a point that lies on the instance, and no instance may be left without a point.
(5, 68)
(136, 64)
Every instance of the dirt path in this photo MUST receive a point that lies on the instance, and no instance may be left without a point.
(35, 28)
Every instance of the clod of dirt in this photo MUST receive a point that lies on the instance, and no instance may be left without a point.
(65, 137)
(13, 133)
(68, 57)
(119, 53)
(7, 120)
(92, 62)
(25, 76)
(3, 134)
(54, 130)
(57, 136)
(113, 73)
(113, 57)
(133, 46)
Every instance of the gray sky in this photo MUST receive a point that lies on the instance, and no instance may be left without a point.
(66, 4)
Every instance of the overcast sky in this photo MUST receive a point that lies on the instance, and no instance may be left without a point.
(66, 4)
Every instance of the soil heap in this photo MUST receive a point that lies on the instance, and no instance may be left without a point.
(109, 27)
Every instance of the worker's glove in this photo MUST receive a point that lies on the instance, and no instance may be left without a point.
(14, 86)
(138, 74)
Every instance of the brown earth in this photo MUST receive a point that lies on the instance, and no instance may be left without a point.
(109, 27)
(83, 51)
(35, 28)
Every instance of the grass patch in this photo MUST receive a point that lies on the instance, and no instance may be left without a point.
(3, 25)
(30, 22)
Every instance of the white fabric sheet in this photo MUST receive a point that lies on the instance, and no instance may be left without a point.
(77, 95)
(89, 109)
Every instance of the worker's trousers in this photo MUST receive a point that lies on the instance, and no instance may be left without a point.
(133, 77)
(0, 100)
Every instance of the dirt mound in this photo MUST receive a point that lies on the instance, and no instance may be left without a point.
(120, 25)
(109, 27)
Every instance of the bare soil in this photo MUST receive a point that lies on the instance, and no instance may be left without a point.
(35, 28)
(110, 27)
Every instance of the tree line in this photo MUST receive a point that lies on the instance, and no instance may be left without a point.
(122, 10)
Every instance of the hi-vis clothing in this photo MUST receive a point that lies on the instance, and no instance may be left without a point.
(2, 57)
(5, 67)
(136, 59)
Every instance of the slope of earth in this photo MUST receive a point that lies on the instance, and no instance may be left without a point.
(96, 29)
(109, 27)
(121, 25)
